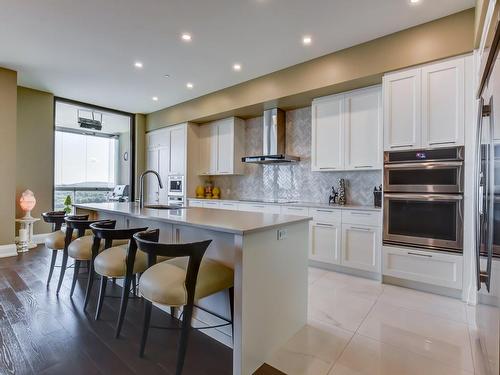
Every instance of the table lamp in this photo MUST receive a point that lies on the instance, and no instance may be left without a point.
(27, 203)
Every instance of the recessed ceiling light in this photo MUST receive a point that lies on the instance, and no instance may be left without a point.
(138, 64)
(237, 67)
(155, 98)
(414, 1)
(186, 37)
(189, 85)
(166, 76)
(306, 40)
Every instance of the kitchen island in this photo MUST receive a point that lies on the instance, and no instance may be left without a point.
(269, 255)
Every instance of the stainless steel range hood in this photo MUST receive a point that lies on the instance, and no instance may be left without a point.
(274, 140)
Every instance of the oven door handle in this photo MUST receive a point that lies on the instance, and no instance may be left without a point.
(426, 197)
(427, 165)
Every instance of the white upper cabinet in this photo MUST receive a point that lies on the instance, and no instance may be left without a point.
(327, 151)
(363, 129)
(222, 147)
(225, 146)
(347, 131)
(177, 150)
(166, 154)
(402, 109)
(425, 107)
(443, 90)
(208, 149)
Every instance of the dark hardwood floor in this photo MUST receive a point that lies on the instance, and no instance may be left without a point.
(41, 333)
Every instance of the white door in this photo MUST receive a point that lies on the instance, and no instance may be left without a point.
(443, 103)
(327, 149)
(225, 146)
(208, 149)
(402, 109)
(325, 242)
(163, 170)
(361, 247)
(151, 188)
(363, 129)
(178, 151)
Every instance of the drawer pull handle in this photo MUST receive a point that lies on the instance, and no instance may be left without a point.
(328, 211)
(362, 166)
(420, 255)
(324, 225)
(361, 213)
(363, 229)
(294, 208)
(327, 168)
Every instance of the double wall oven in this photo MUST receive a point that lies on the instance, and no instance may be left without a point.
(423, 198)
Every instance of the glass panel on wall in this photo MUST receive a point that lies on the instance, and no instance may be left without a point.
(91, 154)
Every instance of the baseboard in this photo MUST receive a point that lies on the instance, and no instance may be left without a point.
(38, 238)
(8, 250)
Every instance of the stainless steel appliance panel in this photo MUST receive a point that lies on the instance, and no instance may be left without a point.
(432, 221)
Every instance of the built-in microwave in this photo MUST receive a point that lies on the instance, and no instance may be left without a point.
(425, 171)
(176, 185)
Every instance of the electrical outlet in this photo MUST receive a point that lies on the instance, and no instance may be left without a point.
(282, 233)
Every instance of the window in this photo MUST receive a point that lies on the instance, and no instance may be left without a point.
(83, 160)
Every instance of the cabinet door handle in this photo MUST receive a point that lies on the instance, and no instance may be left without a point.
(361, 228)
(328, 211)
(295, 208)
(420, 255)
(324, 225)
(177, 235)
(361, 213)
(327, 168)
(362, 166)
(259, 206)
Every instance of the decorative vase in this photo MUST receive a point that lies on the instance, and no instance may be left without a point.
(27, 203)
(341, 198)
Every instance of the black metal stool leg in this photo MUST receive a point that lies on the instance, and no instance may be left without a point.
(123, 304)
(90, 281)
(63, 270)
(145, 328)
(75, 276)
(186, 327)
(102, 292)
(52, 264)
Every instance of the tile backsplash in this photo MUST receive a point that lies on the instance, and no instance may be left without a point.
(293, 181)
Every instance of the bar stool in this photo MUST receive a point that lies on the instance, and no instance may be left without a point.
(55, 241)
(79, 249)
(118, 261)
(179, 282)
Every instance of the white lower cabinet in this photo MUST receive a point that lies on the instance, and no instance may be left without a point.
(228, 206)
(256, 207)
(361, 247)
(211, 204)
(195, 203)
(429, 267)
(324, 243)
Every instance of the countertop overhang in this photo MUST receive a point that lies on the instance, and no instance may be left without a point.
(234, 222)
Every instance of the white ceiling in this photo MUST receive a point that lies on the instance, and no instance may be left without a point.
(85, 49)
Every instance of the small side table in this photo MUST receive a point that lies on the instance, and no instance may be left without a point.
(27, 223)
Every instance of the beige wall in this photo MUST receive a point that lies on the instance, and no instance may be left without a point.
(140, 149)
(35, 150)
(8, 113)
(351, 68)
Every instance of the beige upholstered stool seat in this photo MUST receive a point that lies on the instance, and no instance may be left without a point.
(55, 240)
(164, 283)
(81, 248)
(111, 262)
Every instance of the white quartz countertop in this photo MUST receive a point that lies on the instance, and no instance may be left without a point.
(297, 204)
(235, 222)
